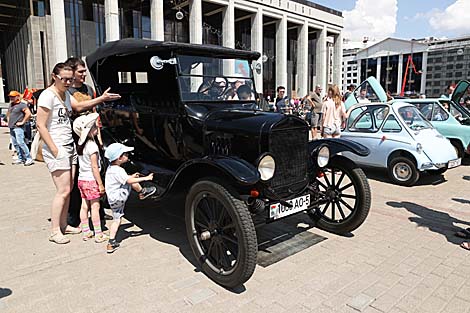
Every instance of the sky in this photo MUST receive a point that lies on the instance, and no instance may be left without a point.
(406, 19)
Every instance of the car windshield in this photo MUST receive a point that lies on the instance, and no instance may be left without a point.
(413, 118)
(215, 79)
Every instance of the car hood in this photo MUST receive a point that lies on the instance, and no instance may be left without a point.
(242, 121)
(435, 146)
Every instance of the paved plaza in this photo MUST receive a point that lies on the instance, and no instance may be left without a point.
(403, 259)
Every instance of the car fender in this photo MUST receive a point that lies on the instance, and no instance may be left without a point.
(240, 170)
(337, 145)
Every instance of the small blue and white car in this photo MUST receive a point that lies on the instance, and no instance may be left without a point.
(400, 139)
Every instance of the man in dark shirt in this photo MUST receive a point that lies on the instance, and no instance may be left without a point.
(18, 114)
(282, 101)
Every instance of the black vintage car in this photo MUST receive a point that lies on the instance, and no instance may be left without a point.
(191, 113)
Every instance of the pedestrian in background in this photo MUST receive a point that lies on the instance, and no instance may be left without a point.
(282, 101)
(89, 179)
(349, 91)
(118, 186)
(18, 115)
(333, 113)
(317, 110)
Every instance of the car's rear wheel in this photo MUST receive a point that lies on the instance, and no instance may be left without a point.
(345, 197)
(221, 233)
(458, 148)
(403, 171)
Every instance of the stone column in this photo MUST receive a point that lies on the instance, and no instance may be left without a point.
(302, 64)
(257, 45)
(228, 25)
(111, 18)
(58, 34)
(2, 92)
(424, 72)
(281, 53)
(195, 21)
(379, 68)
(400, 73)
(320, 56)
(157, 27)
(338, 59)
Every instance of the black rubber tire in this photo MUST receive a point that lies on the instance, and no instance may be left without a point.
(245, 233)
(458, 148)
(361, 206)
(408, 165)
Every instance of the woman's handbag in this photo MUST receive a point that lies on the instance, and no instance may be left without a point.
(36, 148)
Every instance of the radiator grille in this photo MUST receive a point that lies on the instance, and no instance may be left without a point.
(289, 147)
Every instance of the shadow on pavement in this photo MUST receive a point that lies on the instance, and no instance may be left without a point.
(425, 179)
(164, 221)
(5, 292)
(464, 201)
(436, 221)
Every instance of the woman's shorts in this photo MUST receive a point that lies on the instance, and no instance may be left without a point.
(89, 189)
(66, 157)
(331, 130)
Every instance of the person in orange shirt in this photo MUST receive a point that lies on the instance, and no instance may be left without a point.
(18, 115)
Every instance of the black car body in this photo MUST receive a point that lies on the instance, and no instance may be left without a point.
(182, 110)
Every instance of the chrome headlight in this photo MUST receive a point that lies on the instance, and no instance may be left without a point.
(266, 167)
(323, 156)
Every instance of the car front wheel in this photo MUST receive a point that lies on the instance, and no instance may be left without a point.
(221, 233)
(344, 197)
(403, 171)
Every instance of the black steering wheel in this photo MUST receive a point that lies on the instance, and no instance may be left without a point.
(212, 88)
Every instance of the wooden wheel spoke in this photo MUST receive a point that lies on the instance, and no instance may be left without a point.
(326, 208)
(341, 210)
(333, 211)
(348, 196)
(340, 180)
(345, 187)
(346, 204)
(232, 240)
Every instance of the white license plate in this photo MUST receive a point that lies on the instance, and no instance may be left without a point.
(454, 163)
(277, 210)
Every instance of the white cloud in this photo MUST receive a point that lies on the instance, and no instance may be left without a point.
(371, 18)
(453, 18)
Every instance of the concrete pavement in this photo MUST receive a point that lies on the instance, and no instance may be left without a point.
(403, 259)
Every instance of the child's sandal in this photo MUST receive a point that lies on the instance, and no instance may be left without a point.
(87, 236)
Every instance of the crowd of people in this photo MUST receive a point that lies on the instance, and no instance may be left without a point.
(324, 114)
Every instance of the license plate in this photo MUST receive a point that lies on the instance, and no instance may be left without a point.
(277, 210)
(454, 163)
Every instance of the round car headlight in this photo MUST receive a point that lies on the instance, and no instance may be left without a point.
(323, 156)
(266, 167)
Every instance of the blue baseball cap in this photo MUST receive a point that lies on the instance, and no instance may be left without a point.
(115, 150)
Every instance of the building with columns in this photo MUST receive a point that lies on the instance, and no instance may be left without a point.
(300, 41)
(437, 64)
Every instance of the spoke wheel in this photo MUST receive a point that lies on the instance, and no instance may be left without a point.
(345, 197)
(221, 234)
(402, 171)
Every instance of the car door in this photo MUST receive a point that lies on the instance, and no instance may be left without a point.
(374, 93)
(363, 127)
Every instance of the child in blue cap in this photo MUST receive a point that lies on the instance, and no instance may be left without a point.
(118, 185)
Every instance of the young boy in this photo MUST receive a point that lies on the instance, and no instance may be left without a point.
(118, 185)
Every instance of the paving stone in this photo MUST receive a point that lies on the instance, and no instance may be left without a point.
(200, 296)
(457, 305)
(360, 302)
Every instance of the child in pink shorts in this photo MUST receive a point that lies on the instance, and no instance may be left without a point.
(89, 178)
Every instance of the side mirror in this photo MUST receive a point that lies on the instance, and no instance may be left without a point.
(157, 63)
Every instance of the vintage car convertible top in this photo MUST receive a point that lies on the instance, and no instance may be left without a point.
(191, 113)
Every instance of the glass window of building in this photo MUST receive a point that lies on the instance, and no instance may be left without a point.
(40, 8)
(134, 18)
(312, 43)
(175, 29)
(292, 57)
(242, 30)
(211, 24)
(413, 79)
(269, 54)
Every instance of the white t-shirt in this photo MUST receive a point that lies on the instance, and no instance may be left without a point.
(58, 123)
(116, 184)
(85, 172)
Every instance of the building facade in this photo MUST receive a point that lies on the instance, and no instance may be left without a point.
(300, 41)
(422, 66)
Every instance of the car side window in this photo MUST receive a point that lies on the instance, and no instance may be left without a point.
(391, 125)
(362, 123)
(439, 114)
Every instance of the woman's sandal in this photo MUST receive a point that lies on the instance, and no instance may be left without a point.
(70, 230)
(465, 245)
(464, 233)
(58, 238)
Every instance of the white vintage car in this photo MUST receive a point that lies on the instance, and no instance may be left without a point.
(400, 139)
